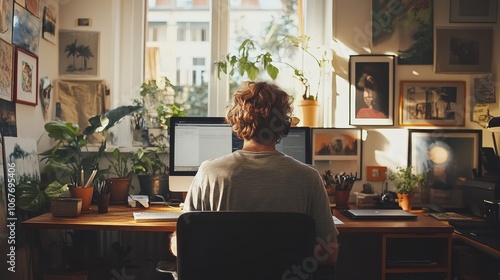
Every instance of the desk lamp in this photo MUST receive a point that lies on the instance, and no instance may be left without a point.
(494, 126)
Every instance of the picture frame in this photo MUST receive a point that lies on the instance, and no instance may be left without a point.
(463, 50)
(376, 173)
(473, 11)
(445, 155)
(26, 78)
(341, 146)
(49, 21)
(6, 17)
(373, 76)
(432, 103)
(70, 42)
(83, 22)
(8, 122)
(26, 33)
(7, 70)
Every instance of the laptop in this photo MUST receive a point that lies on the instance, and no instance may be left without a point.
(378, 214)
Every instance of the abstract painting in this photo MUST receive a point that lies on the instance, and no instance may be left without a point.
(6, 71)
(6, 11)
(49, 22)
(8, 125)
(26, 30)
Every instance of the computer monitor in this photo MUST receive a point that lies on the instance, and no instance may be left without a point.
(196, 139)
(297, 144)
(192, 141)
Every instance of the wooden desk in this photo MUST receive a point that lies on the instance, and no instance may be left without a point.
(118, 218)
(365, 246)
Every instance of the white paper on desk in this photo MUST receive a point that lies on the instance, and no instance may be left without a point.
(337, 221)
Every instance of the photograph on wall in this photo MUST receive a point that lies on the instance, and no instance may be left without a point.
(8, 124)
(484, 11)
(49, 21)
(6, 71)
(484, 89)
(371, 97)
(26, 30)
(26, 78)
(340, 145)
(464, 50)
(22, 153)
(6, 12)
(78, 53)
(432, 103)
(405, 28)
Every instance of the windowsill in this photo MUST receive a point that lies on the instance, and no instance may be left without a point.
(94, 148)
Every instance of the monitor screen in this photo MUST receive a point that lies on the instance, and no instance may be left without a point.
(192, 141)
(297, 144)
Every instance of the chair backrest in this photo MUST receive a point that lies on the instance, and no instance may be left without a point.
(244, 245)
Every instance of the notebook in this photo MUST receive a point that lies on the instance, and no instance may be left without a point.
(379, 214)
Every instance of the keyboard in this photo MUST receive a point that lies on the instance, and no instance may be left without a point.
(156, 216)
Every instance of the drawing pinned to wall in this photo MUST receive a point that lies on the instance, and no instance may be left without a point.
(405, 28)
(6, 71)
(6, 11)
(78, 53)
(45, 89)
(22, 153)
(49, 22)
(484, 89)
(8, 125)
(26, 30)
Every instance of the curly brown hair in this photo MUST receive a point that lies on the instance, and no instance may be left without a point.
(261, 111)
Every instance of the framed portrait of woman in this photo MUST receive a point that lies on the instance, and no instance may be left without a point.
(371, 90)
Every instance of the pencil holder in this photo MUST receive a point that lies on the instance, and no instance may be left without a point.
(85, 194)
(341, 199)
(66, 206)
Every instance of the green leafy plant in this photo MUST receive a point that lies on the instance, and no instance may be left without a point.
(120, 164)
(406, 181)
(243, 63)
(158, 109)
(149, 162)
(34, 197)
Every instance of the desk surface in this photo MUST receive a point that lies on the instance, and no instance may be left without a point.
(120, 218)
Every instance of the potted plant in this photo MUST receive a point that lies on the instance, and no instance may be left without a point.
(70, 159)
(159, 106)
(243, 63)
(152, 172)
(120, 169)
(407, 184)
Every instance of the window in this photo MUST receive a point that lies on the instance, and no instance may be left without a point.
(197, 35)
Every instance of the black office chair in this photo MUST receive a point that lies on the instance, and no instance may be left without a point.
(243, 245)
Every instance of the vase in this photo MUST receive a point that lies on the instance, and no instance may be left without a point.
(309, 111)
(85, 194)
(119, 189)
(405, 201)
(341, 199)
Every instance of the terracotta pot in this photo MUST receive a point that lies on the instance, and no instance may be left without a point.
(119, 189)
(309, 111)
(405, 201)
(341, 199)
(85, 194)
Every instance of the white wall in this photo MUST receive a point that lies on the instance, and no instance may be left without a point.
(389, 146)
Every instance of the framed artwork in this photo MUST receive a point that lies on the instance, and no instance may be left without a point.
(22, 152)
(49, 21)
(376, 173)
(432, 103)
(26, 78)
(483, 11)
(371, 90)
(78, 53)
(7, 58)
(484, 89)
(33, 6)
(445, 155)
(8, 123)
(6, 13)
(341, 146)
(26, 30)
(463, 50)
(405, 28)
